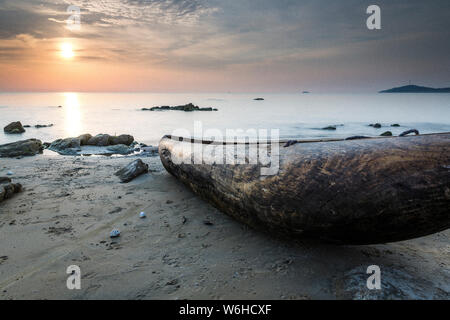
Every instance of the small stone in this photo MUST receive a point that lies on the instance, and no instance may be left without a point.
(114, 233)
(172, 283)
(208, 223)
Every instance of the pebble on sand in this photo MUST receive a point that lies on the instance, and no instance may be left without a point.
(114, 233)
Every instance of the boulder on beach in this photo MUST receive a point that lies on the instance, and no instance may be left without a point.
(8, 189)
(375, 125)
(14, 128)
(22, 148)
(132, 170)
(68, 146)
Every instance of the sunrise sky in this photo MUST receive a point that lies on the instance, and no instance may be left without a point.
(222, 46)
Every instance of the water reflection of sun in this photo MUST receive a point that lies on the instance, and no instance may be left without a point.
(73, 124)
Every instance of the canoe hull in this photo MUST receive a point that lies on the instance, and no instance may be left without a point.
(354, 192)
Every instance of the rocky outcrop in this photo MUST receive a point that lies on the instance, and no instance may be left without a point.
(120, 149)
(84, 138)
(72, 146)
(132, 170)
(125, 139)
(187, 108)
(100, 140)
(28, 147)
(39, 126)
(8, 189)
(14, 128)
(68, 146)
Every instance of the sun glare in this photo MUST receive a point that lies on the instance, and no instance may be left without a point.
(67, 51)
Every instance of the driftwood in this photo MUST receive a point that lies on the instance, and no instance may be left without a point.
(357, 192)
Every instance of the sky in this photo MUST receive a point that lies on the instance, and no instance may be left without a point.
(222, 45)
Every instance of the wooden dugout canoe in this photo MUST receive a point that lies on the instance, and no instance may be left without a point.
(365, 191)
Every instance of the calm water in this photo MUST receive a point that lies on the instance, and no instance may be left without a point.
(296, 115)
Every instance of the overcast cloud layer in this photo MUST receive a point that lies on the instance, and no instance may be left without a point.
(240, 45)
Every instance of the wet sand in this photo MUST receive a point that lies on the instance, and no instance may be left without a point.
(70, 204)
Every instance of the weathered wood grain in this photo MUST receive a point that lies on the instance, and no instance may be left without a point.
(356, 192)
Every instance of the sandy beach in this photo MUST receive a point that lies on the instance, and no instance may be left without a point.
(184, 249)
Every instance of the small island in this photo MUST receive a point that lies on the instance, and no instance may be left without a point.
(416, 89)
(187, 108)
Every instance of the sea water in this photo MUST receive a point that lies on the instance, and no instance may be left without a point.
(299, 116)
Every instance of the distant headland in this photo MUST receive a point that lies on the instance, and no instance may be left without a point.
(416, 89)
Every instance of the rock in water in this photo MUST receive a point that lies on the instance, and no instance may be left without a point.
(39, 126)
(28, 147)
(131, 171)
(187, 108)
(386, 134)
(14, 128)
(331, 128)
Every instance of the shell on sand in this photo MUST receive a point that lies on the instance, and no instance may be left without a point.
(355, 192)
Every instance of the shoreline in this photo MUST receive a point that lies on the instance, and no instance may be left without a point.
(70, 204)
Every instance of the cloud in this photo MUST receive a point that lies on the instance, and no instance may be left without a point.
(284, 36)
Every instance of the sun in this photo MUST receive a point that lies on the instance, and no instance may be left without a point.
(67, 51)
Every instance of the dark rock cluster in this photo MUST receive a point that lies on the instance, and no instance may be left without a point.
(187, 108)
